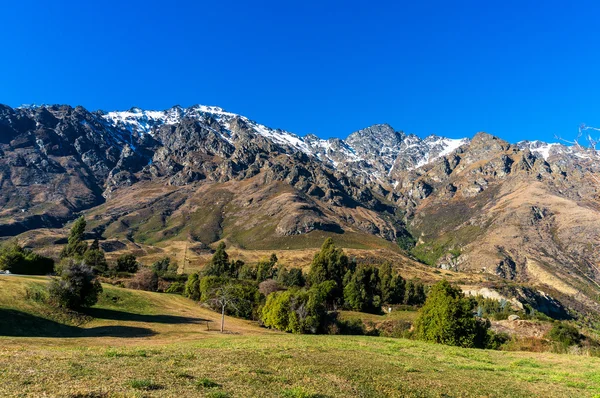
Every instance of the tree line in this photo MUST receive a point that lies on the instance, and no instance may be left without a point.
(278, 297)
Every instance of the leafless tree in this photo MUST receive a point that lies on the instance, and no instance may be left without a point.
(223, 297)
(590, 145)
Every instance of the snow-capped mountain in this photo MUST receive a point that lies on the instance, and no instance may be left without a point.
(374, 151)
(550, 151)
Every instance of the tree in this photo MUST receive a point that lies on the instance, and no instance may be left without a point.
(266, 269)
(18, 260)
(392, 285)
(247, 272)
(76, 246)
(94, 257)
(192, 287)
(298, 310)
(414, 293)
(219, 264)
(447, 318)
(247, 293)
(291, 277)
(268, 286)
(77, 287)
(329, 264)
(223, 297)
(144, 279)
(164, 267)
(127, 263)
(362, 290)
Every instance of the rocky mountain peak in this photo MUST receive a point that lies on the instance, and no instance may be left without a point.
(378, 138)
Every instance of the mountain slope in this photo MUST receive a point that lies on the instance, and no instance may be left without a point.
(525, 212)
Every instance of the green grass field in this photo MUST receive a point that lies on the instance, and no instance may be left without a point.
(135, 344)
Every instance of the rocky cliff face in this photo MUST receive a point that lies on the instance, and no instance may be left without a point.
(527, 212)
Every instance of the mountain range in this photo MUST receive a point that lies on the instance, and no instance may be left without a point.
(526, 213)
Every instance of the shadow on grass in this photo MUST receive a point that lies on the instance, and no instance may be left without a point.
(102, 313)
(21, 324)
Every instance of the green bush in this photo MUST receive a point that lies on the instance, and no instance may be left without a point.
(17, 260)
(565, 334)
(350, 327)
(176, 288)
(447, 318)
(192, 287)
(266, 269)
(127, 263)
(207, 383)
(414, 293)
(77, 287)
(165, 268)
(405, 240)
(497, 340)
(298, 310)
(144, 384)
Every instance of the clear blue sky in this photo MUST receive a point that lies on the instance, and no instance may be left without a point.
(517, 69)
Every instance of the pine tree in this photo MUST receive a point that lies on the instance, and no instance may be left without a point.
(94, 257)
(392, 285)
(330, 264)
(362, 290)
(76, 246)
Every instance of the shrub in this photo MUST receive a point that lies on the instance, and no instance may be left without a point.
(144, 384)
(488, 307)
(127, 263)
(350, 327)
(247, 272)
(266, 269)
(497, 340)
(145, 279)
(447, 318)
(94, 257)
(164, 267)
(192, 287)
(565, 334)
(17, 260)
(176, 288)
(269, 286)
(77, 287)
(207, 383)
(405, 240)
(395, 328)
(298, 311)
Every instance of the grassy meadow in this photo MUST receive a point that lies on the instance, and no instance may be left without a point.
(142, 344)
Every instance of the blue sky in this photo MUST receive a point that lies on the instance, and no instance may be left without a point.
(516, 69)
